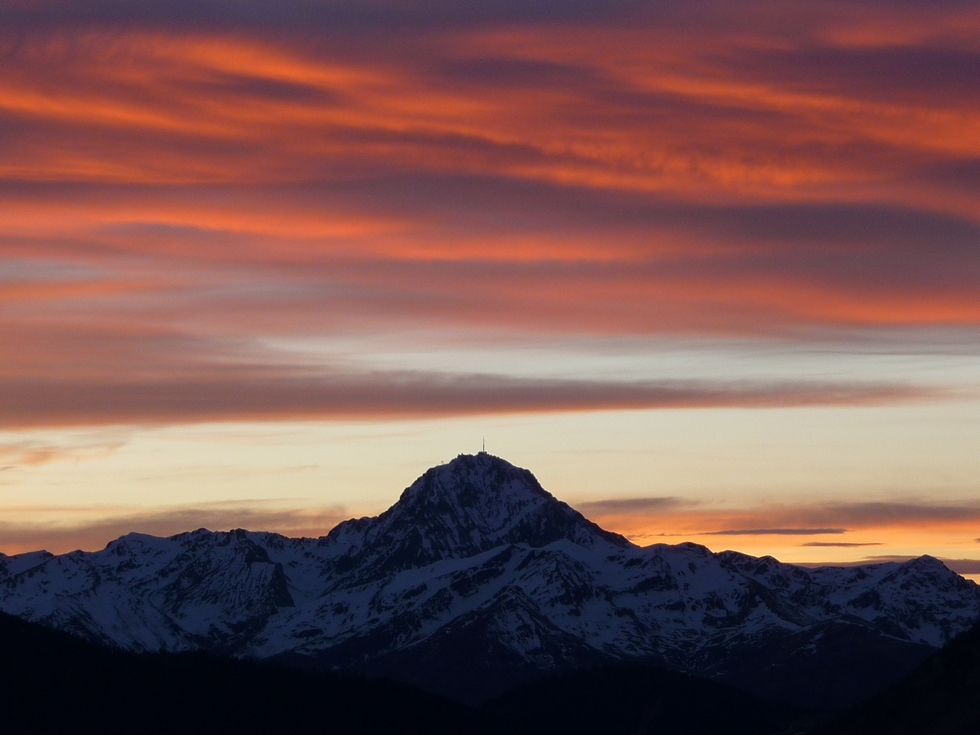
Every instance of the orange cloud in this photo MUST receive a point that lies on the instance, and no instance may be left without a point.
(701, 172)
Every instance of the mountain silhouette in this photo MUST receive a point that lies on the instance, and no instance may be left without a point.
(53, 682)
(942, 697)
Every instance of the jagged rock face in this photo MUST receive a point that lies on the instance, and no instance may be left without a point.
(458, 510)
(193, 590)
(476, 556)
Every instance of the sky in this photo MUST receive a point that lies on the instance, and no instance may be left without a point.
(710, 270)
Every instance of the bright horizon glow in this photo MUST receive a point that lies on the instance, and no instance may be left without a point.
(655, 476)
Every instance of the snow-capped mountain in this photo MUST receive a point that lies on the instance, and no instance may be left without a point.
(477, 579)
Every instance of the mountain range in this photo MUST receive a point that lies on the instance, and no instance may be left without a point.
(477, 580)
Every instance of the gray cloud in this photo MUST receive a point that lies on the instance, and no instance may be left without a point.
(865, 515)
(397, 394)
(841, 545)
(891, 234)
(962, 174)
(631, 505)
(891, 72)
(333, 18)
(960, 566)
(870, 513)
(803, 519)
(963, 566)
(775, 532)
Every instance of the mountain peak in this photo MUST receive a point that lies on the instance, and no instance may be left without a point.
(465, 507)
(489, 489)
(484, 501)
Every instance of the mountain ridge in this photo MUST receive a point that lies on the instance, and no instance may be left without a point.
(477, 556)
(941, 697)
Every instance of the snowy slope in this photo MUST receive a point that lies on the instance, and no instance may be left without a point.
(473, 549)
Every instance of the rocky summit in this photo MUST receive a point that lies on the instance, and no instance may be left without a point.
(477, 579)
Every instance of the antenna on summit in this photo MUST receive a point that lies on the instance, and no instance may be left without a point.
(484, 445)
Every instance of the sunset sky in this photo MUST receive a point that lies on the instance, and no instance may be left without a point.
(710, 270)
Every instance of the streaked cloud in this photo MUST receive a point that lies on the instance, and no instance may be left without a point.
(963, 566)
(867, 514)
(776, 532)
(841, 544)
(915, 523)
(237, 397)
(960, 566)
(828, 517)
(630, 505)
(31, 453)
(185, 178)
(105, 524)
